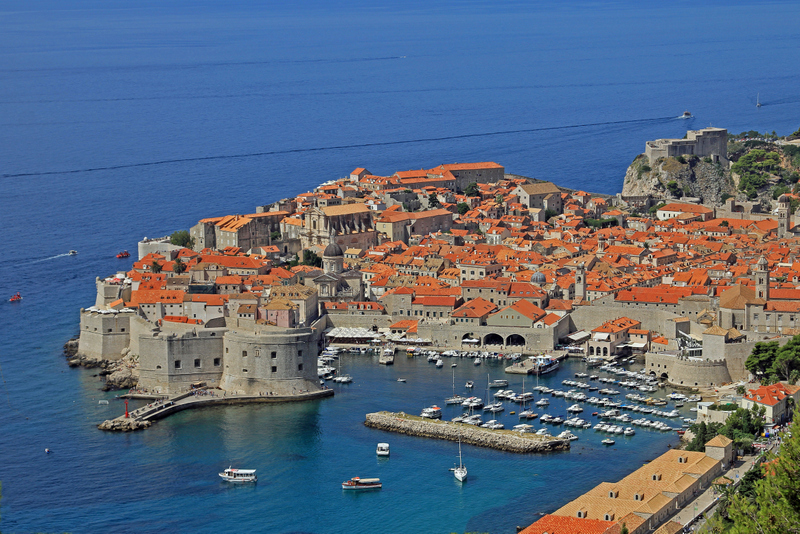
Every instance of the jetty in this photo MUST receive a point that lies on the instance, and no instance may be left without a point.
(503, 440)
(199, 398)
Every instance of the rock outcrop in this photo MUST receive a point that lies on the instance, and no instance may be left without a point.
(117, 374)
(668, 178)
(508, 441)
(122, 424)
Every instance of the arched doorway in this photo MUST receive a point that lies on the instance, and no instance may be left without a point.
(493, 339)
(515, 340)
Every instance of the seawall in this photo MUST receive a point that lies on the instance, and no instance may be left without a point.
(504, 440)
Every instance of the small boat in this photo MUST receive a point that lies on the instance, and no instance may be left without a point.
(239, 475)
(15, 298)
(758, 100)
(477, 361)
(434, 412)
(469, 384)
(401, 379)
(460, 472)
(123, 254)
(47, 451)
(686, 115)
(357, 483)
(542, 402)
(439, 364)
(73, 253)
(382, 450)
(608, 441)
(498, 383)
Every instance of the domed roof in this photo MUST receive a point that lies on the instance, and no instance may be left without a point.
(783, 199)
(538, 278)
(332, 250)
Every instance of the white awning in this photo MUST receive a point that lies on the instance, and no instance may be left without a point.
(637, 345)
(601, 336)
(579, 336)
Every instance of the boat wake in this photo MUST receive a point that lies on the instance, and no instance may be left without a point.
(47, 259)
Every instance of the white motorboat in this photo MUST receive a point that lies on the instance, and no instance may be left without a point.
(498, 383)
(434, 412)
(439, 364)
(239, 475)
(608, 441)
(629, 431)
(357, 483)
(528, 414)
(575, 408)
(455, 399)
(567, 435)
(542, 402)
(469, 384)
(477, 361)
(382, 450)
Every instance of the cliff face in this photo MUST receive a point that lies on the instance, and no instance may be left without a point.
(669, 178)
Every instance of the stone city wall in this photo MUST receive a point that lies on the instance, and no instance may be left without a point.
(270, 360)
(104, 335)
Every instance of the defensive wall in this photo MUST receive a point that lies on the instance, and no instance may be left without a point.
(108, 292)
(496, 338)
(269, 360)
(172, 358)
(656, 320)
(104, 335)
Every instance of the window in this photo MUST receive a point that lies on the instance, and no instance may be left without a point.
(158, 367)
(244, 370)
(299, 353)
(273, 355)
(216, 362)
(122, 329)
(177, 364)
(197, 363)
(299, 366)
(244, 354)
(274, 369)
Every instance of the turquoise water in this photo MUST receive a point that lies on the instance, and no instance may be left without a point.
(119, 86)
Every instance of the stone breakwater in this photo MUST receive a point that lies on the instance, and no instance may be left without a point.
(504, 440)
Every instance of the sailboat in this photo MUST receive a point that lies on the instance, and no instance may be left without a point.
(455, 399)
(460, 472)
(758, 101)
(526, 413)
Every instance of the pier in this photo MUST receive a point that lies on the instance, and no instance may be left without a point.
(504, 440)
(525, 367)
(200, 398)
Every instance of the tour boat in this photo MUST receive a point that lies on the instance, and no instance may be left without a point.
(123, 254)
(434, 412)
(239, 475)
(72, 252)
(15, 298)
(382, 450)
(498, 383)
(544, 365)
(686, 115)
(357, 483)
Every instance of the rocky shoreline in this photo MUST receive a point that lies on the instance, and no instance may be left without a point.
(504, 440)
(122, 373)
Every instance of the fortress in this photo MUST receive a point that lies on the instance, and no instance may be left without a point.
(710, 142)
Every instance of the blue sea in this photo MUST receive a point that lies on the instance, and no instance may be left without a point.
(121, 119)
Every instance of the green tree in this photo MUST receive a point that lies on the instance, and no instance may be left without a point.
(472, 190)
(155, 267)
(182, 239)
(776, 506)
(462, 208)
(549, 214)
(310, 258)
(179, 267)
(499, 198)
(275, 236)
(760, 360)
(657, 207)
(433, 200)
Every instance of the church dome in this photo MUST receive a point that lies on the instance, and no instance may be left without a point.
(783, 199)
(538, 278)
(332, 250)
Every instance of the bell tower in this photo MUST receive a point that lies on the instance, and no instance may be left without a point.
(762, 279)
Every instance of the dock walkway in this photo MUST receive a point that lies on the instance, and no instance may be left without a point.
(200, 398)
